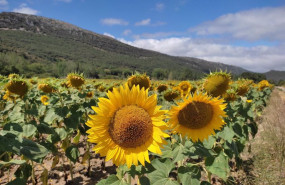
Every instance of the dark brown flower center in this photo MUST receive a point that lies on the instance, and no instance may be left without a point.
(195, 115)
(131, 126)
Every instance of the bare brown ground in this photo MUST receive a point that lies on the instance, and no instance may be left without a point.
(264, 160)
(60, 174)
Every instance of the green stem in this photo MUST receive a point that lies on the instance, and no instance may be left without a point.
(182, 139)
(33, 174)
(179, 163)
(71, 169)
(209, 177)
(2, 155)
(129, 180)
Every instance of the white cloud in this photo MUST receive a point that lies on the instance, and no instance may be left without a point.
(23, 8)
(3, 4)
(256, 24)
(109, 35)
(159, 6)
(127, 32)
(113, 21)
(144, 22)
(66, 1)
(159, 23)
(157, 35)
(259, 58)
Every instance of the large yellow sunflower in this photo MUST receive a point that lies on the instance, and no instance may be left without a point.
(127, 125)
(197, 116)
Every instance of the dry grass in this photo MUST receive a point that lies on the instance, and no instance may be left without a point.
(268, 148)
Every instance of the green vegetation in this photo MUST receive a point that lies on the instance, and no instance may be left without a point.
(41, 55)
(256, 77)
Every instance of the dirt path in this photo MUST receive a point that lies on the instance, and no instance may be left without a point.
(265, 164)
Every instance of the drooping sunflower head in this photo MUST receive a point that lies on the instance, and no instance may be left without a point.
(197, 116)
(13, 75)
(171, 84)
(44, 100)
(96, 85)
(217, 83)
(242, 87)
(17, 86)
(230, 95)
(33, 81)
(75, 80)
(161, 87)
(89, 94)
(127, 125)
(46, 87)
(139, 79)
(101, 88)
(171, 94)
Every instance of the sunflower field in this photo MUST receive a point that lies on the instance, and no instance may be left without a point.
(137, 131)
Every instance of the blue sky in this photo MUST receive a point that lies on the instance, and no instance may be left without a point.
(246, 33)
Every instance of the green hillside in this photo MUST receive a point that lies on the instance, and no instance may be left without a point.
(38, 46)
(275, 75)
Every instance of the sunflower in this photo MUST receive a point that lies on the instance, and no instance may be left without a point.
(197, 116)
(139, 79)
(184, 87)
(89, 94)
(44, 100)
(243, 86)
(171, 94)
(17, 86)
(263, 84)
(75, 80)
(230, 96)
(101, 88)
(46, 87)
(127, 126)
(33, 81)
(242, 89)
(161, 87)
(216, 84)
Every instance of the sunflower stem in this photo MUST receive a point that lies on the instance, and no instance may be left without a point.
(209, 176)
(129, 180)
(33, 174)
(2, 155)
(71, 169)
(182, 139)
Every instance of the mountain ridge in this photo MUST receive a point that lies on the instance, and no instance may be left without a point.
(31, 31)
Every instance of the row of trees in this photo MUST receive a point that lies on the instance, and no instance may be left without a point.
(13, 63)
